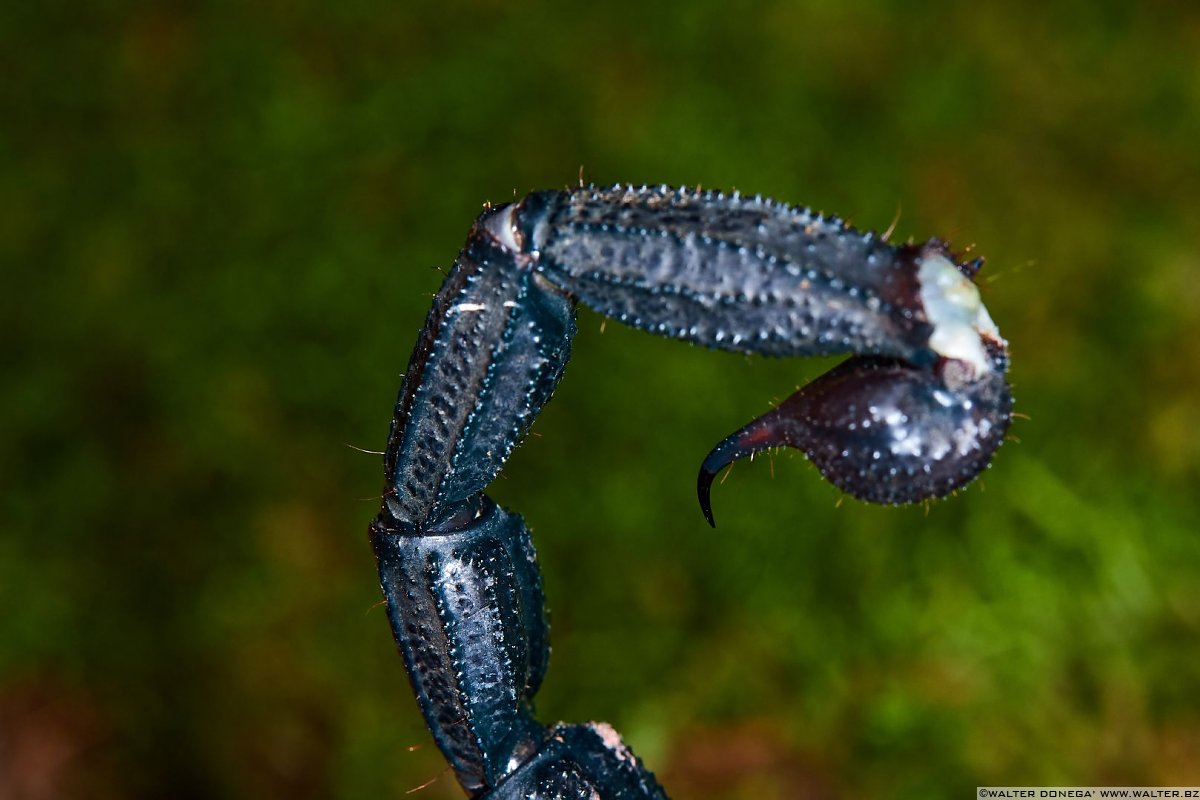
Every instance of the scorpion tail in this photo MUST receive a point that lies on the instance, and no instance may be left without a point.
(883, 430)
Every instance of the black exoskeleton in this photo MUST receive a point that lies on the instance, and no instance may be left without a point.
(916, 412)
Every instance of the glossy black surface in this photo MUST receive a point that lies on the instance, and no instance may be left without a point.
(900, 421)
(881, 430)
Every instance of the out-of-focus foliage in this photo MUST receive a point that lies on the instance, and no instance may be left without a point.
(220, 225)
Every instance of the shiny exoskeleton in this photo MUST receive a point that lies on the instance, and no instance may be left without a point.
(916, 412)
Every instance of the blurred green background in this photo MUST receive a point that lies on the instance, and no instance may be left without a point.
(220, 229)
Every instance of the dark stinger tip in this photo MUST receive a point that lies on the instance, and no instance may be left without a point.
(730, 449)
(704, 493)
(761, 434)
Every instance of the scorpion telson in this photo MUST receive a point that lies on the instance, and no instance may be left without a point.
(916, 412)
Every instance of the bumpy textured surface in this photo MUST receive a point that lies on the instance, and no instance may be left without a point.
(469, 617)
(917, 412)
(730, 272)
(581, 762)
(492, 350)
